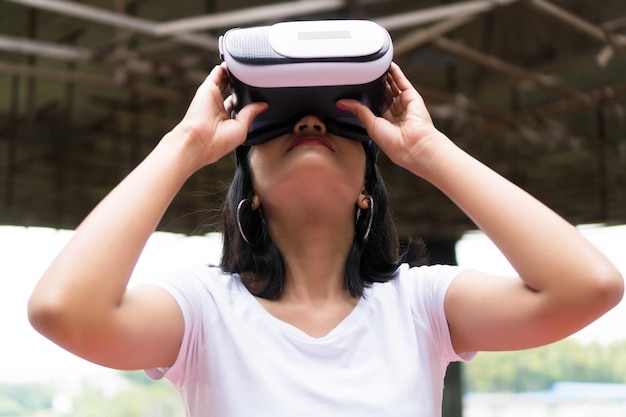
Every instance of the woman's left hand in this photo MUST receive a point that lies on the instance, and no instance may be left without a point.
(565, 283)
(405, 128)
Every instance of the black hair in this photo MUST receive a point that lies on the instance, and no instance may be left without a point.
(261, 265)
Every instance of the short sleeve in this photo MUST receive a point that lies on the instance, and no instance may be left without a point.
(189, 289)
(429, 286)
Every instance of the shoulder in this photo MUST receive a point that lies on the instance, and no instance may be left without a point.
(421, 292)
(423, 288)
(423, 277)
(198, 287)
(196, 276)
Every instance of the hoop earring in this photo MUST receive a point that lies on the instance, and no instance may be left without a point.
(243, 235)
(371, 219)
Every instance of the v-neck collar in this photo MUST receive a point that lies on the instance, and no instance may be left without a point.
(354, 316)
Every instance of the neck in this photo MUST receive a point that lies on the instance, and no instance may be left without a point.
(315, 249)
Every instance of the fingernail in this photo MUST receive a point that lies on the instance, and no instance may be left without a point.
(341, 106)
(265, 108)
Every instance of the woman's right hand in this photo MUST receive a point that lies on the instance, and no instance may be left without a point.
(207, 126)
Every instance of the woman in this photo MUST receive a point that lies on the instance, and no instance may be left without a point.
(317, 342)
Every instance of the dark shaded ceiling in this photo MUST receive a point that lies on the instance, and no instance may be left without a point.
(535, 89)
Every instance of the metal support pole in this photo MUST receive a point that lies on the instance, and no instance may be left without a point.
(603, 192)
(443, 251)
(31, 83)
(9, 192)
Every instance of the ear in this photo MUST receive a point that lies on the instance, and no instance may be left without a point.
(256, 202)
(363, 201)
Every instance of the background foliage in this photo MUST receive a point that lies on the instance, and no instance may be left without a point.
(137, 397)
(538, 369)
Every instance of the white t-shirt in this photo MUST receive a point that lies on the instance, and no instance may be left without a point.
(388, 357)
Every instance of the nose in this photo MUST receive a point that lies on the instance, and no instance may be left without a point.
(310, 123)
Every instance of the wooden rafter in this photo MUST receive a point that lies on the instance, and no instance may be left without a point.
(118, 20)
(578, 23)
(496, 64)
(97, 80)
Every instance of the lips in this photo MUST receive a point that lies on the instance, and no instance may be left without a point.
(309, 139)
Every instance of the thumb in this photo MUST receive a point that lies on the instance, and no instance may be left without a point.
(247, 114)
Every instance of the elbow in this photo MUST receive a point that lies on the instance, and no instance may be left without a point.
(47, 314)
(44, 313)
(608, 288)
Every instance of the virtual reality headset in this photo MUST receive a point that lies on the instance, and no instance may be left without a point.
(304, 67)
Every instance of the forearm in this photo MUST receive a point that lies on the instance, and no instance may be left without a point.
(566, 282)
(544, 249)
(90, 274)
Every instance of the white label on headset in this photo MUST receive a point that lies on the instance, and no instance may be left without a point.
(326, 38)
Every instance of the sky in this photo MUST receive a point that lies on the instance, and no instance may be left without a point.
(26, 252)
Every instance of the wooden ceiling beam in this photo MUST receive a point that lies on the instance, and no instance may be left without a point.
(606, 93)
(249, 15)
(496, 64)
(76, 54)
(421, 36)
(118, 20)
(614, 25)
(434, 14)
(578, 23)
(498, 114)
(98, 80)
(46, 49)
